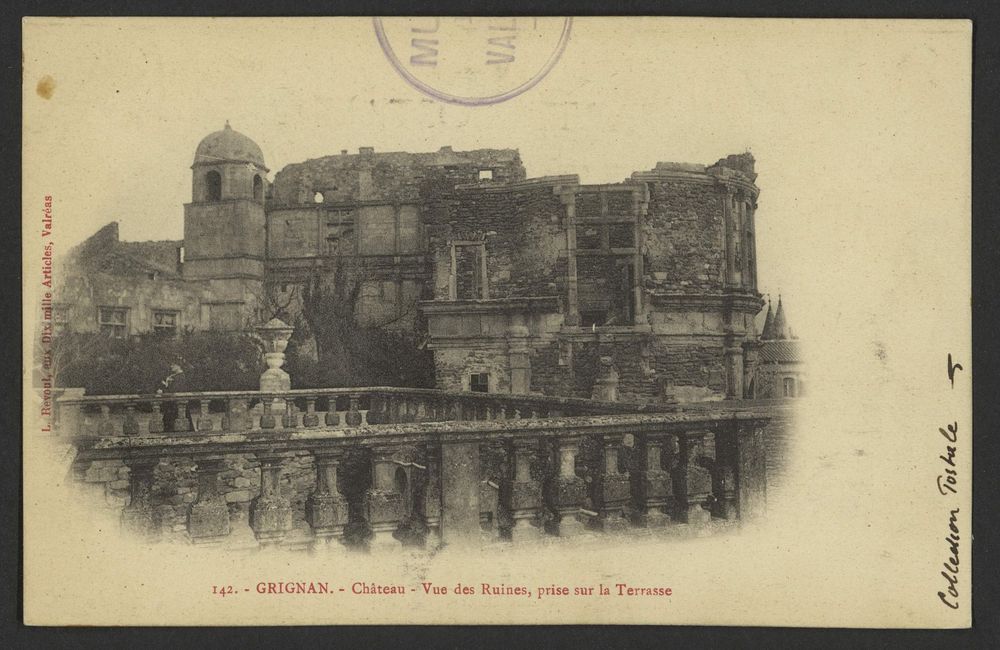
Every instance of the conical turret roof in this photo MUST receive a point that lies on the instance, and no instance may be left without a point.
(767, 332)
(780, 325)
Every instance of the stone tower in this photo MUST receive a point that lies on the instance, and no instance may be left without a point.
(224, 226)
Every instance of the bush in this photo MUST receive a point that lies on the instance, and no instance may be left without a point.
(208, 361)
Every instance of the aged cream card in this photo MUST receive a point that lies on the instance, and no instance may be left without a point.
(483, 320)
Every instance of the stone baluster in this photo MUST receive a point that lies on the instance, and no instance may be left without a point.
(502, 411)
(656, 485)
(326, 507)
(332, 417)
(570, 490)
(526, 492)
(384, 501)
(412, 406)
(692, 482)
(397, 409)
(270, 512)
(204, 419)
(208, 519)
(311, 418)
(420, 409)
(182, 422)
(137, 516)
(267, 419)
(106, 427)
(615, 488)
(353, 416)
(130, 425)
(405, 413)
(156, 418)
(290, 419)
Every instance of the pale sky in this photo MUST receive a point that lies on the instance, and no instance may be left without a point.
(839, 130)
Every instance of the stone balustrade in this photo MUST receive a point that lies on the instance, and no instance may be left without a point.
(167, 414)
(384, 467)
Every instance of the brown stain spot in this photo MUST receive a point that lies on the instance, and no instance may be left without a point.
(46, 86)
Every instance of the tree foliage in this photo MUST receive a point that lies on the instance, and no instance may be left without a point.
(349, 352)
(190, 361)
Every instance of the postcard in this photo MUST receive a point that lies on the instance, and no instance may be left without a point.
(521, 320)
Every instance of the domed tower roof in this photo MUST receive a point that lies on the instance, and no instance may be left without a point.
(228, 145)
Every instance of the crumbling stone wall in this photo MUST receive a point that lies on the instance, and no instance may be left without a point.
(524, 235)
(570, 367)
(391, 176)
(683, 245)
(452, 368)
(690, 371)
(175, 488)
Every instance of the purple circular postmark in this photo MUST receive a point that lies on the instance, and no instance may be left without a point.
(473, 61)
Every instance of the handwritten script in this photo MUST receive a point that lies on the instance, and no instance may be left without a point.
(947, 486)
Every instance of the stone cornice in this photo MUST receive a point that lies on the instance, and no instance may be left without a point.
(606, 334)
(728, 182)
(527, 184)
(328, 439)
(491, 306)
(750, 302)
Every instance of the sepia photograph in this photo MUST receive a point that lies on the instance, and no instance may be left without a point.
(497, 320)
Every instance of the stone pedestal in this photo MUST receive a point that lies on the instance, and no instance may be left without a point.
(740, 447)
(657, 484)
(526, 494)
(384, 502)
(569, 490)
(615, 488)
(270, 513)
(275, 335)
(606, 385)
(460, 493)
(208, 519)
(137, 517)
(692, 482)
(326, 507)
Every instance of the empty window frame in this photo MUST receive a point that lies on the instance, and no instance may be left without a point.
(479, 382)
(213, 186)
(468, 271)
(258, 188)
(113, 321)
(165, 322)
